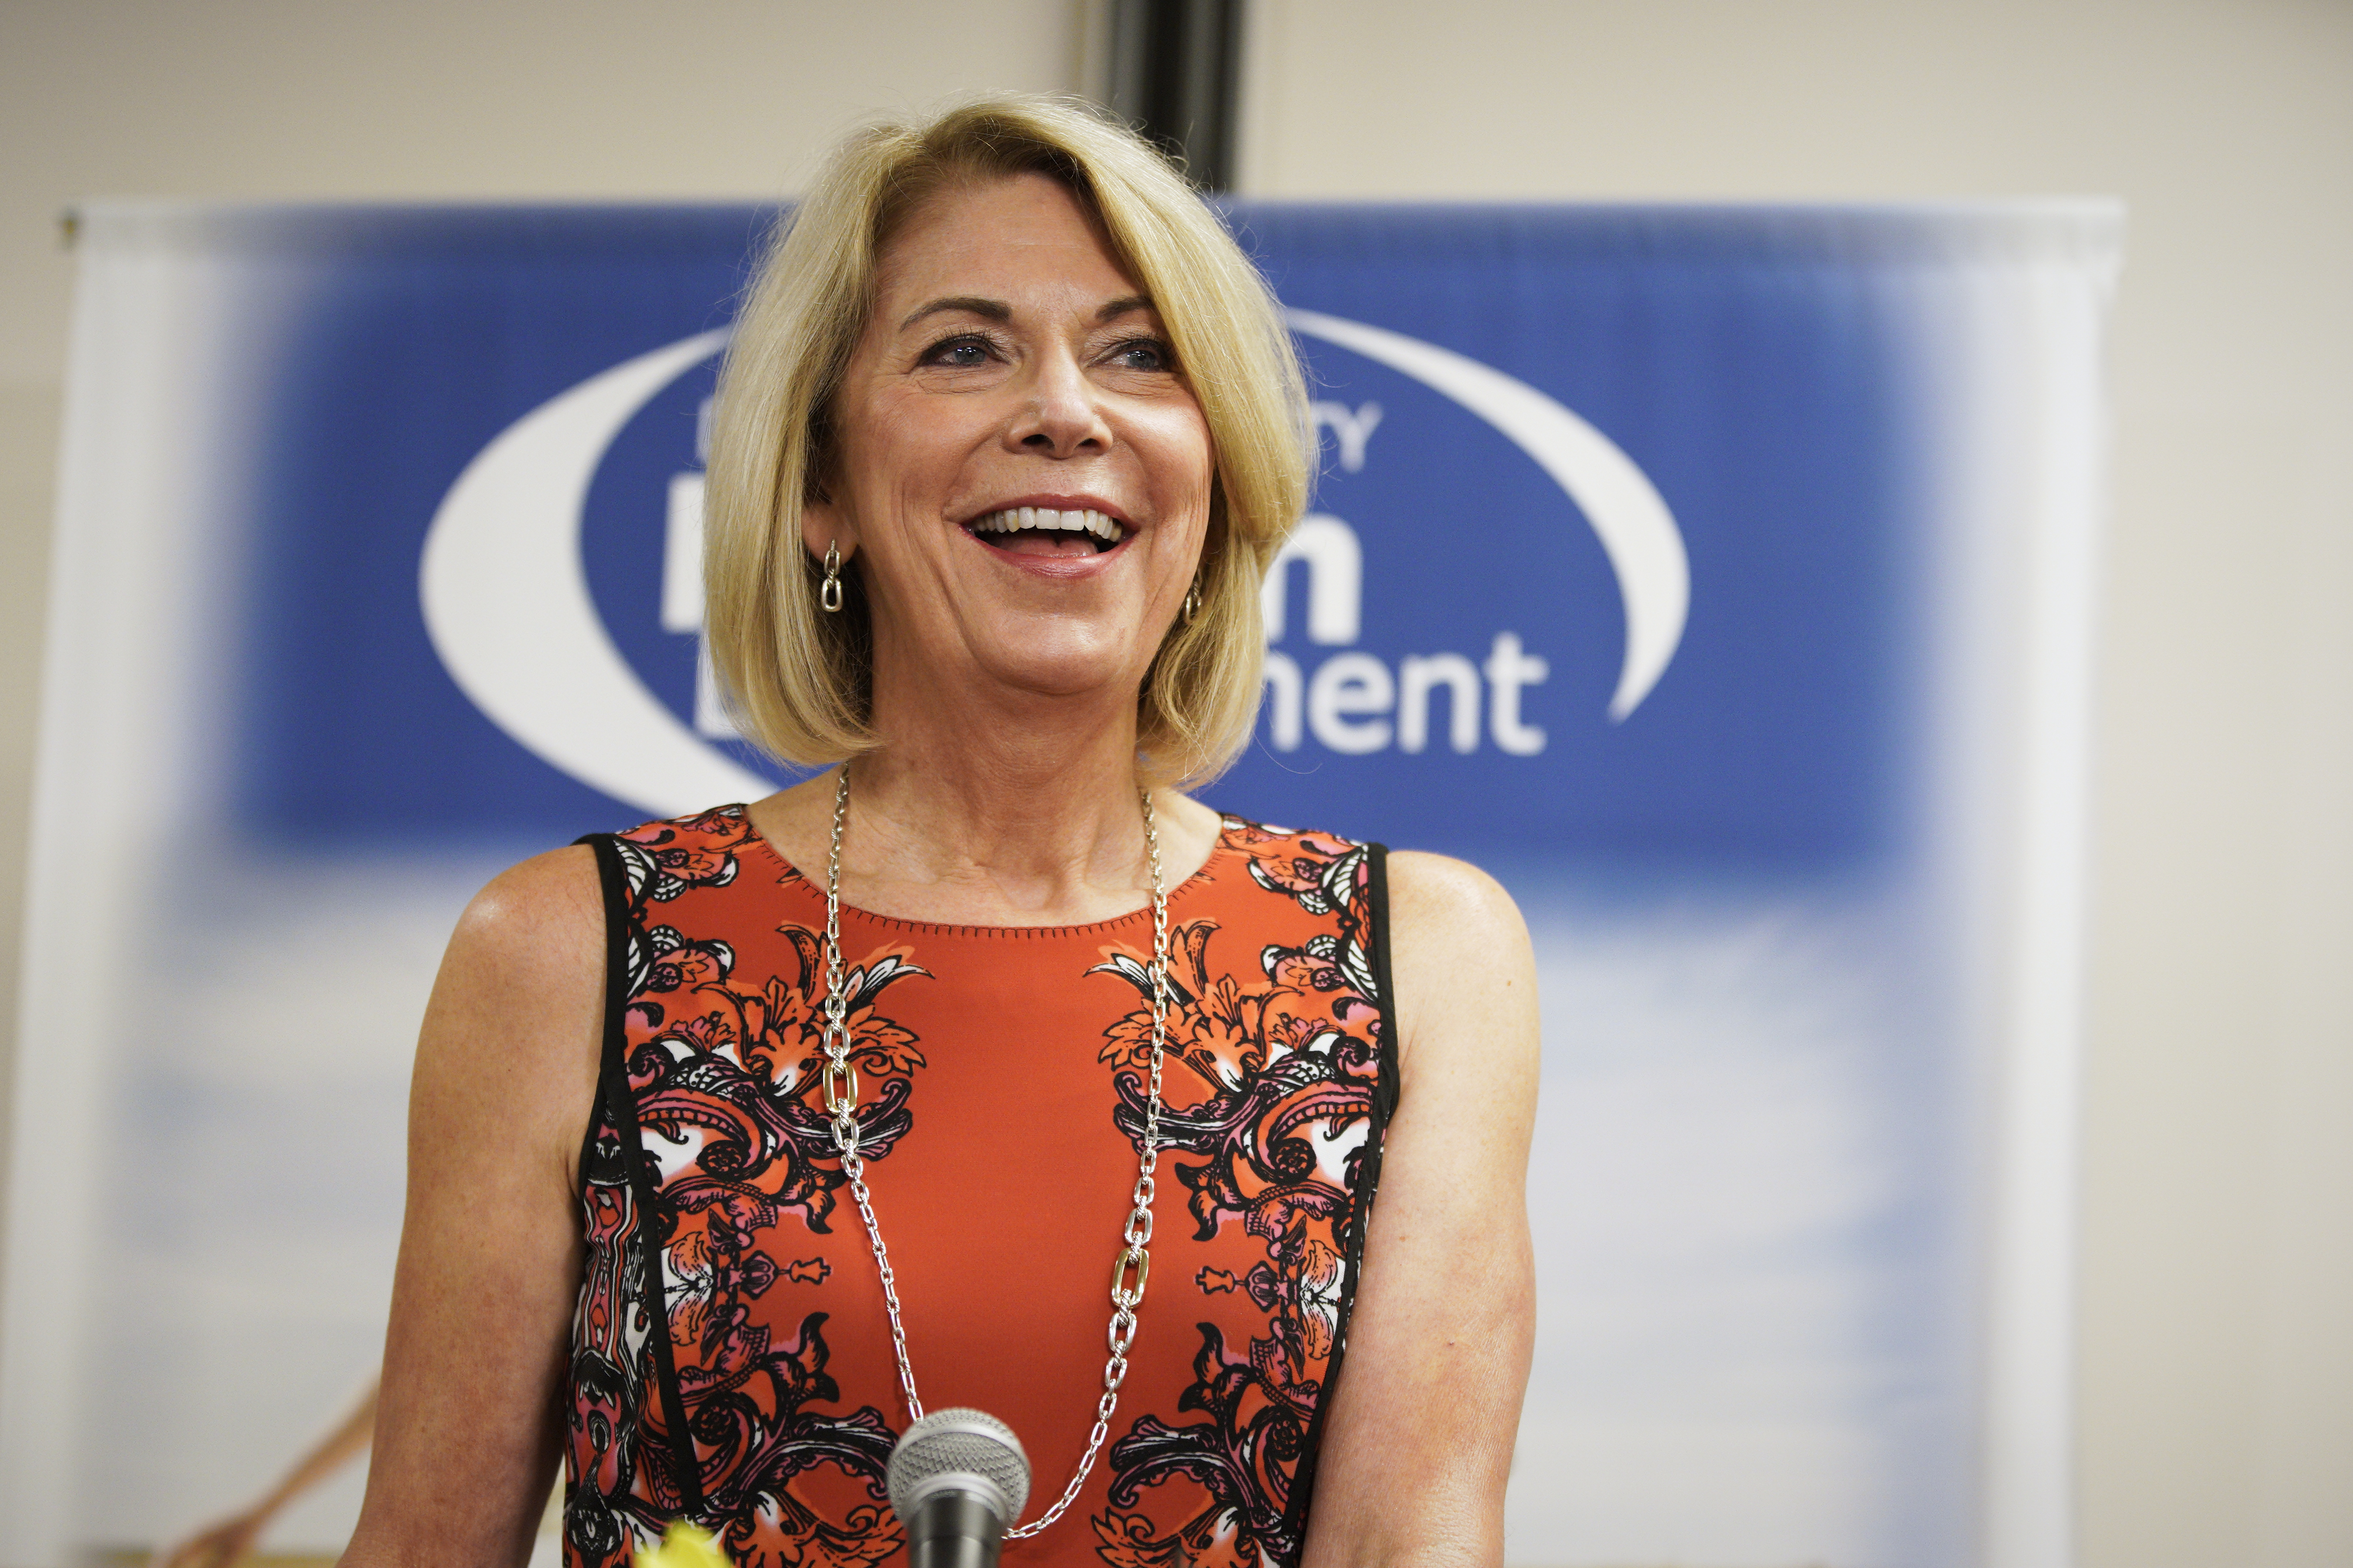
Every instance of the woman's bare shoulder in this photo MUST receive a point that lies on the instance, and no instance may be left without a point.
(524, 978)
(544, 915)
(1450, 907)
(1459, 955)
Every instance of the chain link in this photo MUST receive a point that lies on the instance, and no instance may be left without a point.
(1130, 1268)
(839, 1081)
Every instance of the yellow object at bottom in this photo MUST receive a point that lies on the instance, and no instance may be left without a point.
(684, 1545)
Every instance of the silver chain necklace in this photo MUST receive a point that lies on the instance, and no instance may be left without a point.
(1129, 1269)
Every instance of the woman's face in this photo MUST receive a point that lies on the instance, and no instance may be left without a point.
(1012, 371)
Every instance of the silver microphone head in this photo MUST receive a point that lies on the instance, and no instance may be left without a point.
(964, 1450)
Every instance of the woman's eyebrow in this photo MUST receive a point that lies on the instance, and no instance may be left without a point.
(998, 310)
(992, 310)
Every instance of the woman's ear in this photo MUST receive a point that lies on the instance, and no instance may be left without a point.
(824, 526)
(825, 522)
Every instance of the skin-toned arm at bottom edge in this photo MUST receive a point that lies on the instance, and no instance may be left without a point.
(1418, 1444)
(490, 1251)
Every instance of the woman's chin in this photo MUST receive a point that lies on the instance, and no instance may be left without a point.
(1064, 667)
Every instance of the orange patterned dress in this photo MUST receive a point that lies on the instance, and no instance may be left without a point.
(731, 1357)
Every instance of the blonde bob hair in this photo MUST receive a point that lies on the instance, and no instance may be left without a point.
(797, 680)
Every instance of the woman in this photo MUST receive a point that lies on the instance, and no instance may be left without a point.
(1007, 436)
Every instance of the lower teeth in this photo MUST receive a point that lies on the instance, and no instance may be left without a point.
(1100, 544)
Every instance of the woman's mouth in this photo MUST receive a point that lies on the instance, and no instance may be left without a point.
(1042, 531)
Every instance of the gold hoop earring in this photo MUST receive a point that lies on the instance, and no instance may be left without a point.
(1192, 601)
(829, 596)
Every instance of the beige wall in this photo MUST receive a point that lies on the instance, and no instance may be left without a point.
(2217, 1379)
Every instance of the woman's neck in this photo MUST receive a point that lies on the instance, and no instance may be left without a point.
(966, 814)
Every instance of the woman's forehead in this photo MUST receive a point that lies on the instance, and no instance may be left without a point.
(1020, 241)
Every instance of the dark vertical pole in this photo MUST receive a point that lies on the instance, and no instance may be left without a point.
(1175, 69)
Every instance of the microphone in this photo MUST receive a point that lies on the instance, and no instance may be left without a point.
(957, 1478)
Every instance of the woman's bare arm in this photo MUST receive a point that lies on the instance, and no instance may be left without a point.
(467, 1424)
(1419, 1443)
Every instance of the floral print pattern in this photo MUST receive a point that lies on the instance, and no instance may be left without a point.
(1284, 1141)
(703, 1383)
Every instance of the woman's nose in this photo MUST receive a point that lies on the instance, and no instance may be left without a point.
(1061, 418)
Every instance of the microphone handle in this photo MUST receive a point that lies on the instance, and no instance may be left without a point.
(953, 1529)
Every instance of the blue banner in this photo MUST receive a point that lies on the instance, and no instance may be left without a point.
(1457, 661)
(1714, 575)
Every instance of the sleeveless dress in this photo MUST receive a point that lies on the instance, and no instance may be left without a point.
(731, 1354)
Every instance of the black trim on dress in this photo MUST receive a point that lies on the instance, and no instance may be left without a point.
(1377, 890)
(620, 1108)
(1385, 1099)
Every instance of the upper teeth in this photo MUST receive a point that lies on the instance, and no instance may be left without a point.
(1014, 519)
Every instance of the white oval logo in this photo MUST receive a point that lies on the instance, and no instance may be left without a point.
(506, 600)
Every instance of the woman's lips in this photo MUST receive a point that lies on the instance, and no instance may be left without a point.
(1034, 543)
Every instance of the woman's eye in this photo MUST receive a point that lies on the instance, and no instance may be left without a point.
(960, 353)
(1143, 353)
